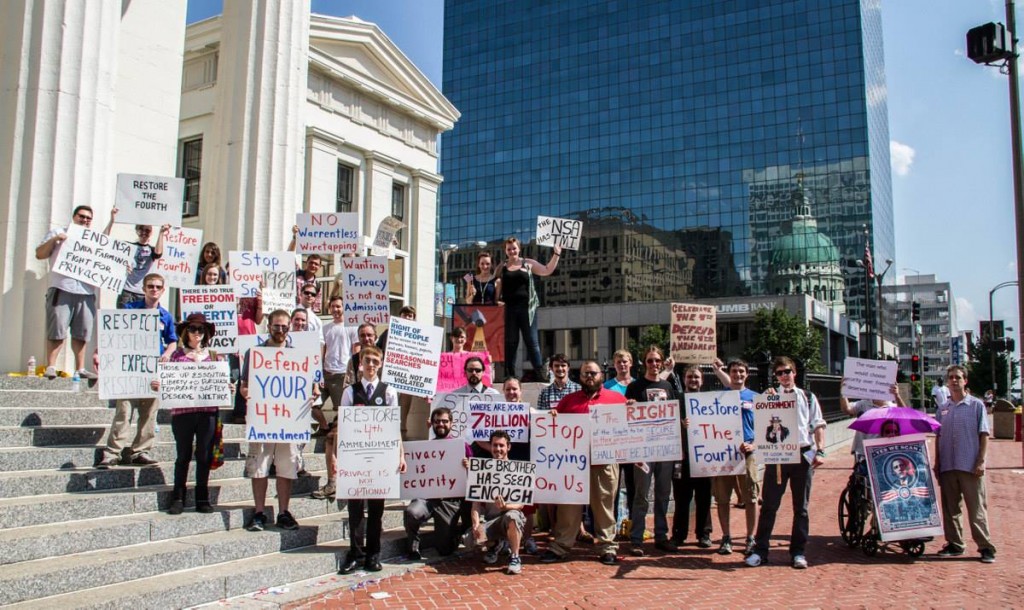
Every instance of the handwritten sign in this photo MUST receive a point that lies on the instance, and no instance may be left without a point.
(181, 253)
(459, 406)
(559, 232)
(275, 270)
(128, 344)
(94, 258)
(217, 304)
(327, 233)
(364, 290)
(513, 480)
(486, 417)
(641, 432)
(194, 384)
(410, 363)
(149, 200)
(693, 333)
(871, 379)
(369, 442)
(775, 429)
(433, 469)
(451, 370)
(560, 447)
(280, 394)
(715, 433)
(902, 488)
(386, 233)
(308, 341)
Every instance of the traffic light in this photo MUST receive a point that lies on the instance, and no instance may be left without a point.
(915, 312)
(925, 369)
(915, 366)
(989, 43)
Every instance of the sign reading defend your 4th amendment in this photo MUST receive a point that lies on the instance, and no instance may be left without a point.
(280, 394)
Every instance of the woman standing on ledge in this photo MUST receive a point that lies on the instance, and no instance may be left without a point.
(481, 287)
(516, 289)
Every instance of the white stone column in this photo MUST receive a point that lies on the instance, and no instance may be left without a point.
(257, 143)
(380, 177)
(321, 171)
(423, 239)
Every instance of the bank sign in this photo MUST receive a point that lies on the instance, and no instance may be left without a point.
(739, 309)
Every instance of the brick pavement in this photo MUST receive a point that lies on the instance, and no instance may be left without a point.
(698, 578)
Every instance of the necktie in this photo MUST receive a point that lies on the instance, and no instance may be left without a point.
(369, 390)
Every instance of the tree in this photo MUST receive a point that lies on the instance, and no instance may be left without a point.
(780, 333)
(979, 369)
(650, 335)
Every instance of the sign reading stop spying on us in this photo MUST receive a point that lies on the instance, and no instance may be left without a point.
(560, 447)
(149, 200)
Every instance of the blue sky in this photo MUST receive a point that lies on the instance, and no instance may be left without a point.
(948, 126)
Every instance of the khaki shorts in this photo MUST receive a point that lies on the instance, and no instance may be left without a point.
(722, 486)
(285, 457)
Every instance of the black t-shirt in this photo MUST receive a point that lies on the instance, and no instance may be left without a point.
(645, 390)
(515, 287)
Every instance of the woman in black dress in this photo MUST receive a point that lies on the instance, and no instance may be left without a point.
(517, 292)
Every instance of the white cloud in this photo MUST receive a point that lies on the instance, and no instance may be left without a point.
(1011, 266)
(966, 316)
(902, 157)
(958, 52)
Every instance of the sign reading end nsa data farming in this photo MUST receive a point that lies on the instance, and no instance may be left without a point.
(327, 233)
(128, 346)
(512, 480)
(559, 232)
(194, 384)
(280, 394)
(775, 429)
(560, 447)
(433, 469)
(149, 200)
(369, 440)
(411, 360)
(693, 333)
(94, 258)
(715, 433)
(641, 432)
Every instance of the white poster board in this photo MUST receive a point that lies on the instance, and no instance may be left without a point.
(327, 233)
(513, 480)
(194, 384)
(693, 333)
(308, 341)
(412, 357)
(149, 200)
(776, 435)
(459, 406)
(364, 290)
(369, 440)
(218, 304)
(280, 394)
(386, 233)
(94, 258)
(559, 232)
(276, 270)
(641, 432)
(715, 433)
(181, 255)
(433, 469)
(870, 379)
(560, 447)
(128, 346)
(485, 417)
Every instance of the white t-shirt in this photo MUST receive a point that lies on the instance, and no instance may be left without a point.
(338, 339)
(59, 280)
(314, 324)
(940, 394)
(862, 407)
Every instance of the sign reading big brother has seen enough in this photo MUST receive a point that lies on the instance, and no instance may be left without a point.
(149, 200)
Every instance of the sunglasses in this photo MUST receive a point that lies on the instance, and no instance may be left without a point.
(474, 370)
(653, 361)
(84, 217)
(589, 373)
(782, 372)
(196, 329)
(309, 294)
(279, 327)
(154, 286)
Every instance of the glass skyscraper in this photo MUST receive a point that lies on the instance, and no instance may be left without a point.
(687, 134)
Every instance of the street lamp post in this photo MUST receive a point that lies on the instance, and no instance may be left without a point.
(992, 331)
(445, 251)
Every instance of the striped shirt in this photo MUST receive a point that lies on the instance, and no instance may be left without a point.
(962, 424)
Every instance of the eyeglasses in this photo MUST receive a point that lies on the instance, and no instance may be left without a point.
(83, 217)
(782, 372)
(279, 327)
(589, 373)
(653, 361)
(474, 370)
(371, 362)
(442, 422)
(196, 329)
(144, 230)
(309, 294)
(154, 286)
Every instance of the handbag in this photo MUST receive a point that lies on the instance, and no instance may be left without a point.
(218, 446)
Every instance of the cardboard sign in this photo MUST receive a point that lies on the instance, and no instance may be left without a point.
(218, 304)
(693, 333)
(775, 429)
(902, 487)
(410, 363)
(181, 255)
(870, 379)
(459, 405)
(276, 271)
(94, 258)
(128, 344)
(641, 432)
(484, 326)
(364, 290)
(280, 394)
(307, 341)
(560, 447)
(195, 384)
(486, 417)
(451, 370)
(433, 469)
(369, 443)
(715, 433)
(327, 233)
(559, 232)
(513, 480)
(149, 200)
(386, 233)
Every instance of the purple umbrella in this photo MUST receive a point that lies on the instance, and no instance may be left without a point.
(908, 421)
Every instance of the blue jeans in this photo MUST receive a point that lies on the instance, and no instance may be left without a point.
(517, 322)
(661, 474)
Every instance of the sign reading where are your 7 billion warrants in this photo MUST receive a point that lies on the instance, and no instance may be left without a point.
(280, 394)
(559, 232)
(369, 445)
(693, 333)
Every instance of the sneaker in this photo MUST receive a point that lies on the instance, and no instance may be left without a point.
(988, 556)
(666, 545)
(704, 542)
(143, 459)
(504, 549)
(530, 546)
(750, 546)
(86, 374)
(800, 562)
(609, 559)
(950, 551)
(726, 547)
(491, 556)
(176, 508)
(515, 565)
(550, 556)
(753, 560)
(637, 550)
(107, 462)
(258, 523)
(324, 493)
(286, 521)
(51, 372)
(204, 507)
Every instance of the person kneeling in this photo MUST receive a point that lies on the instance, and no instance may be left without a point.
(503, 521)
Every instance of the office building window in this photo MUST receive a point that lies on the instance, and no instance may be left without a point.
(191, 170)
(345, 188)
(398, 208)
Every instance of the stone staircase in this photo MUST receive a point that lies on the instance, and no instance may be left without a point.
(72, 536)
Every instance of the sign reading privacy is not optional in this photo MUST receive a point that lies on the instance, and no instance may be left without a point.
(149, 200)
(369, 440)
(194, 384)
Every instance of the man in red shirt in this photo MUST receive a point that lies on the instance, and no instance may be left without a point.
(604, 479)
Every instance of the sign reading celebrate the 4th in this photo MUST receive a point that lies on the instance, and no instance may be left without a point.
(715, 433)
(280, 394)
(693, 333)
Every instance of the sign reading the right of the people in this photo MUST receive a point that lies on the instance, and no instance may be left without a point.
(692, 330)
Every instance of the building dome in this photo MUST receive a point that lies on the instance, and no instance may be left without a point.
(804, 245)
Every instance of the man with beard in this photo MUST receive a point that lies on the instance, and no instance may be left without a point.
(444, 511)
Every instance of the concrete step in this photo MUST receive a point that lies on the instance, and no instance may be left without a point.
(98, 414)
(95, 434)
(60, 456)
(51, 397)
(174, 571)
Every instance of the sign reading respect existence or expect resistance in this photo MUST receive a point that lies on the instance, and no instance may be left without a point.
(327, 233)
(128, 345)
(559, 232)
(411, 360)
(513, 480)
(693, 333)
(870, 379)
(641, 432)
(775, 429)
(217, 304)
(369, 445)
(715, 433)
(149, 200)
(275, 271)
(280, 394)
(181, 251)
(364, 290)
(94, 258)
(560, 447)
(433, 469)
(194, 384)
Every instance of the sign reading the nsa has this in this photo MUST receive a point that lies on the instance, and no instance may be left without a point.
(149, 200)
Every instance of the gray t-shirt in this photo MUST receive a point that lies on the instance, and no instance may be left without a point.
(143, 262)
(59, 280)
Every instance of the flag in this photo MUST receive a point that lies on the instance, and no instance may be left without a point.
(869, 266)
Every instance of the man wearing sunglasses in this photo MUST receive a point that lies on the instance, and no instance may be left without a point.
(810, 434)
(144, 257)
(474, 370)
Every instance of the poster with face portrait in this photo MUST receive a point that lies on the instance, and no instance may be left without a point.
(902, 487)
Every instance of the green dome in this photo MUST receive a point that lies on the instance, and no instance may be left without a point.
(803, 246)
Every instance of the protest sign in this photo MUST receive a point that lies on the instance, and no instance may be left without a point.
(433, 469)
(459, 406)
(484, 326)
(181, 255)
(693, 333)
(451, 370)
(715, 433)
(194, 384)
(486, 417)
(149, 200)
(902, 487)
(94, 258)
(217, 304)
(410, 363)
(776, 435)
(128, 345)
(275, 270)
(308, 341)
(559, 232)
(386, 233)
(560, 447)
(513, 480)
(369, 443)
(280, 394)
(327, 233)
(364, 290)
(641, 432)
(870, 379)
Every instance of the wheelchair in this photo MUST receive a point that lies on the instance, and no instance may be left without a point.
(856, 514)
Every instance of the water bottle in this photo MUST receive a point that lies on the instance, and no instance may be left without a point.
(76, 383)
(30, 369)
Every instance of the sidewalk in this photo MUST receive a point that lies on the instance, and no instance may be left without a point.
(699, 578)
